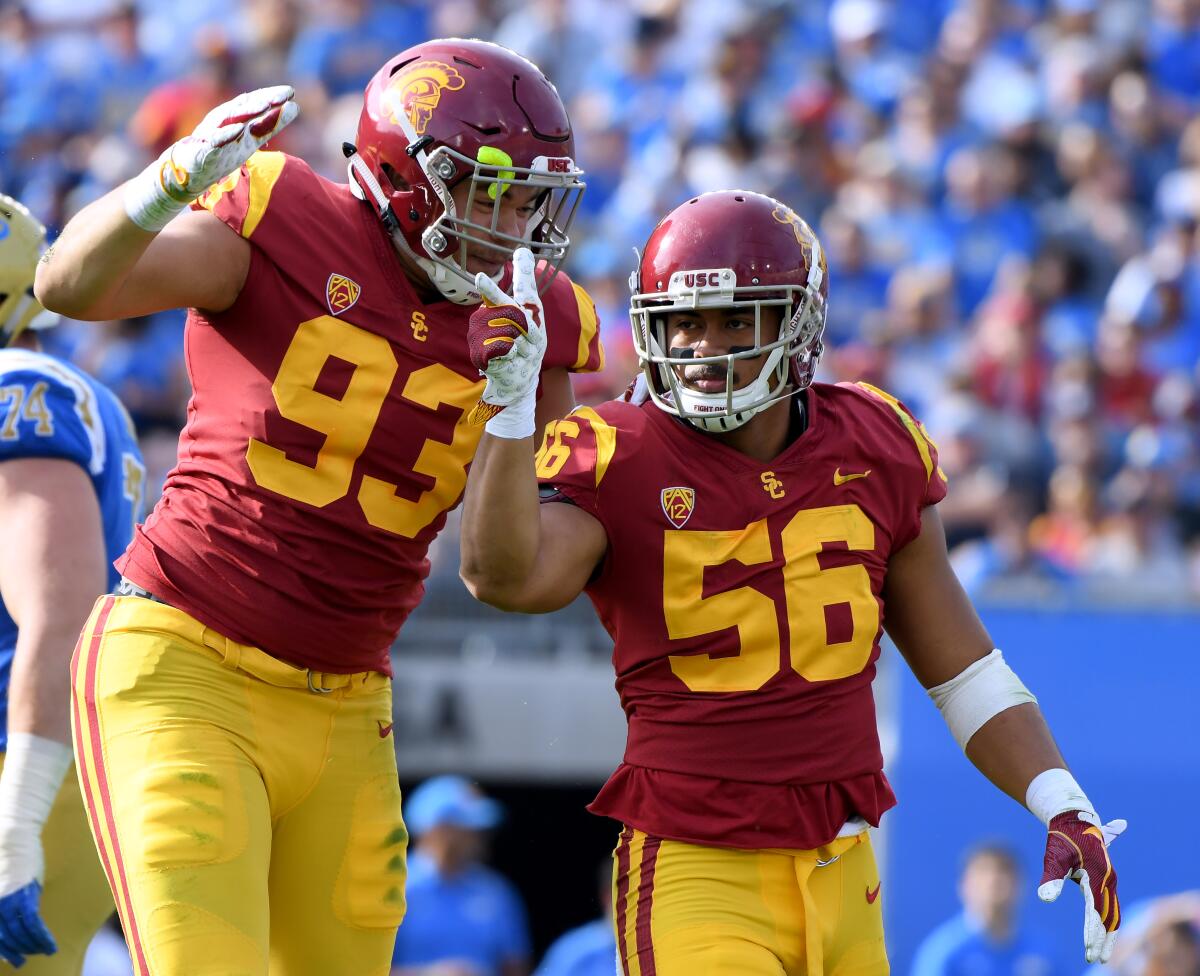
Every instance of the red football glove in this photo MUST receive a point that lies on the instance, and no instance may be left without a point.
(1077, 848)
(492, 332)
(506, 338)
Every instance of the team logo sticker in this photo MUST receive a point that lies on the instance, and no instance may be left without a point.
(341, 293)
(415, 92)
(806, 239)
(678, 505)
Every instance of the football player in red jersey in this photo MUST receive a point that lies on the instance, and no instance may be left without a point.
(232, 707)
(740, 533)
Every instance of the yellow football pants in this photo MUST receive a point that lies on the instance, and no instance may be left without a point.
(690, 910)
(75, 896)
(248, 821)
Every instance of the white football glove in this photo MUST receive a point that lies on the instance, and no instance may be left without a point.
(1077, 850)
(228, 136)
(507, 339)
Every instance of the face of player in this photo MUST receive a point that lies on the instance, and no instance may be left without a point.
(718, 332)
(989, 889)
(517, 206)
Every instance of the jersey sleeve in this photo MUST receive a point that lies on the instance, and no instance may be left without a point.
(242, 199)
(920, 478)
(576, 455)
(44, 414)
(573, 328)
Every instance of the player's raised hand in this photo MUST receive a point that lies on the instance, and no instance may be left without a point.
(507, 340)
(1077, 849)
(229, 135)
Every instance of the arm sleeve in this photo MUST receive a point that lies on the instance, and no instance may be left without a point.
(45, 415)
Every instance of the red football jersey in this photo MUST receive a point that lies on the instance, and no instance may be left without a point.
(745, 604)
(327, 434)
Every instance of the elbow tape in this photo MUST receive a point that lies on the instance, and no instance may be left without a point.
(981, 691)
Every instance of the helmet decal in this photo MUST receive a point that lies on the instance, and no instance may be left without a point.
(416, 90)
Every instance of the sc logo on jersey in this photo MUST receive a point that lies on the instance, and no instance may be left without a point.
(772, 485)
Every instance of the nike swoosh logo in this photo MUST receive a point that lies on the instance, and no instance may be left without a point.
(841, 479)
(385, 730)
(873, 893)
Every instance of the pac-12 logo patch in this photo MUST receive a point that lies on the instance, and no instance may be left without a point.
(678, 504)
(341, 293)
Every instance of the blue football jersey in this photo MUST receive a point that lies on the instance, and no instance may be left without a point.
(50, 409)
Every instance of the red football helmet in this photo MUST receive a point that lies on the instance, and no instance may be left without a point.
(731, 249)
(451, 110)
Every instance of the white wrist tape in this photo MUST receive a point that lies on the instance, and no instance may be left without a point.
(147, 202)
(515, 421)
(34, 769)
(981, 691)
(1055, 791)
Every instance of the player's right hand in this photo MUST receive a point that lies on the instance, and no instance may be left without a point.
(1077, 849)
(506, 336)
(22, 931)
(229, 135)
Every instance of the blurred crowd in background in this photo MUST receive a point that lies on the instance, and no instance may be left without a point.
(1009, 193)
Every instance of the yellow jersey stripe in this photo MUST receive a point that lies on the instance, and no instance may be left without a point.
(606, 439)
(914, 430)
(264, 169)
(588, 326)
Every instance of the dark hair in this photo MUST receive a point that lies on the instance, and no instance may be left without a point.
(996, 850)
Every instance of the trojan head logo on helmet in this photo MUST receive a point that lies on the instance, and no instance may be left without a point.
(454, 110)
(21, 239)
(731, 249)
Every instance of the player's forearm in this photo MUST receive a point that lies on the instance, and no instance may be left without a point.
(82, 273)
(40, 689)
(1013, 747)
(501, 521)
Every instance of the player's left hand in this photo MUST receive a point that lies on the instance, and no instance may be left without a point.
(507, 336)
(22, 931)
(1077, 849)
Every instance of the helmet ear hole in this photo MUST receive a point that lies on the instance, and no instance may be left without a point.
(398, 182)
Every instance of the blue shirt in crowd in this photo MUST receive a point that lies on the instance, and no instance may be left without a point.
(590, 950)
(474, 917)
(960, 947)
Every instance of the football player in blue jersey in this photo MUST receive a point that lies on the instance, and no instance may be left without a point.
(71, 488)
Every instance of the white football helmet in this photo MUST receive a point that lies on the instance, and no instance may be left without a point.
(22, 238)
